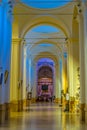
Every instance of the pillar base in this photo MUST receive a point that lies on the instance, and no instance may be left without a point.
(63, 102)
(82, 111)
(85, 110)
(24, 101)
(7, 111)
(72, 106)
(2, 113)
(57, 100)
(16, 106)
(33, 100)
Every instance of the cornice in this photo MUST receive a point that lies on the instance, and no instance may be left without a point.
(16, 40)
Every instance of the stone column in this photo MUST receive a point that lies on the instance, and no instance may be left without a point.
(34, 81)
(24, 73)
(27, 74)
(73, 61)
(30, 64)
(56, 84)
(15, 84)
(5, 57)
(70, 75)
(83, 56)
(70, 69)
(60, 75)
(64, 74)
(21, 76)
(64, 79)
(59, 85)
(33, 75)
(26, 81)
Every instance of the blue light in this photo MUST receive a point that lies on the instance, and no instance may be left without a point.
(41, 61)
(65, 54)
(45, 4)
(46, 45)
(45, 29)
(60, 62)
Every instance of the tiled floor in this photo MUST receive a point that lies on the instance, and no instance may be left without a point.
(44, 117)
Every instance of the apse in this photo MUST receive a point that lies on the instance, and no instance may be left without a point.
(45, 76)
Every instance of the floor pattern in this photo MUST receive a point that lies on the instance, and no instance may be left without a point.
(44, 116)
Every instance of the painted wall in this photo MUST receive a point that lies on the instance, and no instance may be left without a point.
(45, 81)
(5, 51)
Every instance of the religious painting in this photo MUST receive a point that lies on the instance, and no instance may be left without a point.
(6, 76)
(1, 78)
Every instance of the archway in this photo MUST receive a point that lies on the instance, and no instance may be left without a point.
(21, 26)
(45, 79)
(45, 43)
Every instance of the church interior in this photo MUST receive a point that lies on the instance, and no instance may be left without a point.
(43, 72)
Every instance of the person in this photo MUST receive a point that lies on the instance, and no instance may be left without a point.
(67, 96)
(53, 98)
(67, 102)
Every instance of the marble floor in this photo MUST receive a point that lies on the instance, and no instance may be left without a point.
(44, 117)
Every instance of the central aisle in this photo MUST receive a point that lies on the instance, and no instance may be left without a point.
(44, 116)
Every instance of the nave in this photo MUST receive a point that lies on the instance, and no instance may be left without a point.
(44, 116)
(43, 57)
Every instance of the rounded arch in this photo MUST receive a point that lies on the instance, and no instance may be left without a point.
(46, 55)
(50, 65)
(47, 41)
(48, 20)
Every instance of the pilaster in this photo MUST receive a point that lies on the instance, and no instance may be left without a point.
(70, 73)
(70, 70)
(24, 73)
(16, 83)
(64, 74)
(57, 84)
(64, 79)
(82, 66)
(85, 56)
(34, 81)
(30, 64)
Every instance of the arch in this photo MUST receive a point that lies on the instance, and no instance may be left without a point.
(51, 66)
(56, 66)
(45, 63)
(47, 41)
(48, 20)
(48, 55)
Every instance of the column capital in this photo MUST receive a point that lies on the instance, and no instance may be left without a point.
(73, 40)
(16, 40)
